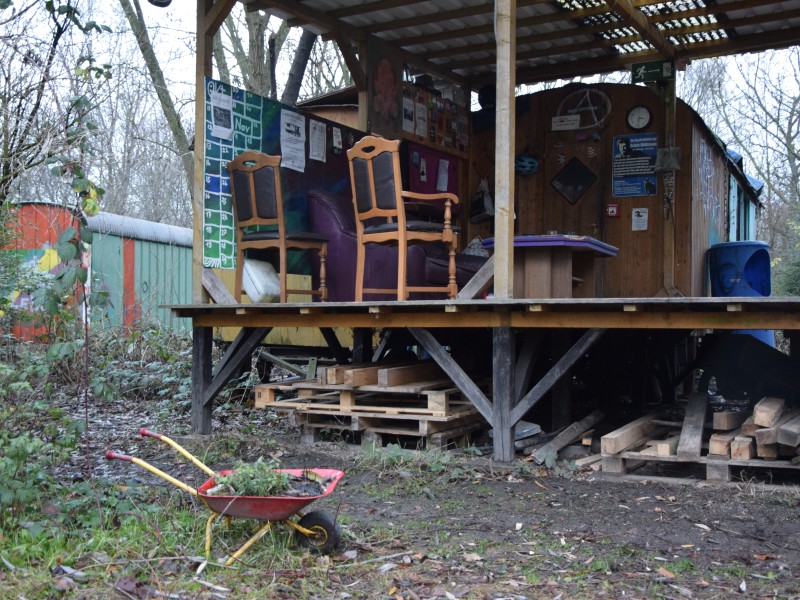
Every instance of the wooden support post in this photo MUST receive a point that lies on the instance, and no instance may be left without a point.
(339, 354)
(462, 381)
(362, 345)
(201, 378)
(691, 442)
(504, 396)
(505, 31)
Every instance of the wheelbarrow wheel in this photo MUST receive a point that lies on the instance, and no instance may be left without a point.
(326, 536)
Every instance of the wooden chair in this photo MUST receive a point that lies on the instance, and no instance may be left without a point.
(258, 203)
(379, 201)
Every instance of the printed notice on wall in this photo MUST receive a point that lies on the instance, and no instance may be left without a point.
(336, 140)
(293, 140)
(634, 165)
(221, 115)
(442, 176)
(639, 219)
(408, 115)
(316, 141)
(421, 120)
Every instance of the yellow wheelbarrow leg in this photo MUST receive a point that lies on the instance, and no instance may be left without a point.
(259, 534)
(209, 523)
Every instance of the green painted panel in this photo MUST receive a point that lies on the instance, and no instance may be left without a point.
(107, 275)
(163, 276)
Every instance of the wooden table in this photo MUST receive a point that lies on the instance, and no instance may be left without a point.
(556, 265)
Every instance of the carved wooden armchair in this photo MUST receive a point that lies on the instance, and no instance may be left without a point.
(258, 203)
(381, 218)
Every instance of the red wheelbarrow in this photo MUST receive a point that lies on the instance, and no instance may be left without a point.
(317, 530)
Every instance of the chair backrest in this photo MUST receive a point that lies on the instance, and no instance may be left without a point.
(375, 177)
(256, 189)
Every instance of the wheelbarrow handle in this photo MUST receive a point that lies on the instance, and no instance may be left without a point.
(144, 432)
(111, 455)
(178, 448)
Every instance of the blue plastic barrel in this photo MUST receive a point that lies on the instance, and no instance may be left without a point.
(742, 269)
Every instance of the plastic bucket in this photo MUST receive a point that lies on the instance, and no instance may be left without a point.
(742, 269)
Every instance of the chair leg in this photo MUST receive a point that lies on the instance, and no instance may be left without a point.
(323, 288)
(402, 263)
(452, 284)
(282, 274)
(360, 255)
(237, 286)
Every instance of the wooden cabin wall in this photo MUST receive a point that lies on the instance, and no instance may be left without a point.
(710, 189)
(588, 152)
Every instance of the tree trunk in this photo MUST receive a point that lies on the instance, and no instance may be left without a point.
(295, 79)
(133, 13)
(220, 60)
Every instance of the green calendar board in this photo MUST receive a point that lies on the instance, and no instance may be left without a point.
(236, 121)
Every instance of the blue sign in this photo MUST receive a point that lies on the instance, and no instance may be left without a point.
(634, 165)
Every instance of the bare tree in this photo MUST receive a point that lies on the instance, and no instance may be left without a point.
(37, 68)
(133, 13)
(753, 103)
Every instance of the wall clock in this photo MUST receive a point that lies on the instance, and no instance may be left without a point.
(639, 117)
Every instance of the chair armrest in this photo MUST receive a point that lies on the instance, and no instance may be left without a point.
(430, 197)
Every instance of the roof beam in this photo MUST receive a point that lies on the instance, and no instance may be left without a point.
(323, 21)
(308, 16)
(352, 62)
(649, 32)
(217, 14)
(371, 7)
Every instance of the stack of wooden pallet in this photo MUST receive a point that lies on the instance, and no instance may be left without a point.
(769, 432)
(379, 402)
(768, 437)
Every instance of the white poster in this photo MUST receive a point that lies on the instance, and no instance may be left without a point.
(422, 119)
(639, 219)
(442, 176)
(293, 140)
(408, 115)
(221, 115)
(317, 141)
(336, 140)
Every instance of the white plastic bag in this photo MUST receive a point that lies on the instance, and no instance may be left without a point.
(260, 281)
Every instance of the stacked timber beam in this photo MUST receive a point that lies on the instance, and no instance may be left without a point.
(377, 402)
(766, 438)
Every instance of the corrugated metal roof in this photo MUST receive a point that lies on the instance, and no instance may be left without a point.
(454, 39)
(139, 229)
(129, 227)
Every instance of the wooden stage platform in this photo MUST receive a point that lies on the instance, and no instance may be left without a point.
(510, 327)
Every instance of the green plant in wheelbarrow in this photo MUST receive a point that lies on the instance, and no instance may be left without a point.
(260, 491)
(264, 478)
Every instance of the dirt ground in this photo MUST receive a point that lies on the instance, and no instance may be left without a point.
(430, 525)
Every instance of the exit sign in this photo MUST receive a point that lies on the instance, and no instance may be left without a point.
(655, 70)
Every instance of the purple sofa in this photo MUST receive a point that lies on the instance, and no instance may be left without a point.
(333, 216)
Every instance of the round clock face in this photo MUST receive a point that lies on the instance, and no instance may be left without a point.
(639, 117)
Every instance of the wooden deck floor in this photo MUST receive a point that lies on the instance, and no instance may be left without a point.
(609, 313)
